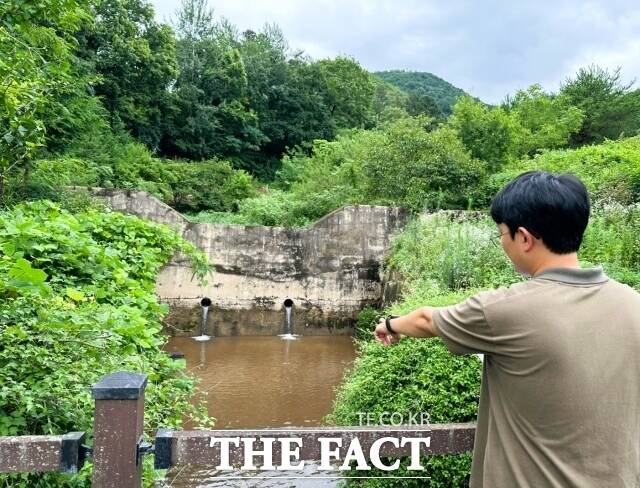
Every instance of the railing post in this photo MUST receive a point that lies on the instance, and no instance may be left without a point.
(117, 430)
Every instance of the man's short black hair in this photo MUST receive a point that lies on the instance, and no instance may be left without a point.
(553, 207)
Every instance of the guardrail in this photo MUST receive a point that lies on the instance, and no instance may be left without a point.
(118, 445)
(42, 453)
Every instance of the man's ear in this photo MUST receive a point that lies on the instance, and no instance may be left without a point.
(527, 238)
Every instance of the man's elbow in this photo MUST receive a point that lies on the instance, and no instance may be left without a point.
(426, 324)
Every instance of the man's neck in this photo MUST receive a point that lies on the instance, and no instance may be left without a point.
(557, 261)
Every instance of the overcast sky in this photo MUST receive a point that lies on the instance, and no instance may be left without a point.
(487, 48)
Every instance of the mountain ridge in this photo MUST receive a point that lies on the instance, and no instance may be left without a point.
(440, 90)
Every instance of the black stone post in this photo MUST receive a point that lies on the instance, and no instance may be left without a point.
(72, 455)
(117, 430)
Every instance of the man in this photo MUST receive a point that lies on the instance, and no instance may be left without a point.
(560, 395)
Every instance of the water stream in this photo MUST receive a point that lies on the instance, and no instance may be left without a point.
(258, 382)
(205, 303)
(288, 331)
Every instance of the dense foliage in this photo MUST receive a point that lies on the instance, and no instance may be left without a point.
(92, 79)
(611, 108)
(106, 87)
(406, 162)
(525, 124)
(35, 73)
(415, 163)
(78, 302)
(611, 170)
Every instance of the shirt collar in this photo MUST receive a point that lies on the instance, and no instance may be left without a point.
(574, 276)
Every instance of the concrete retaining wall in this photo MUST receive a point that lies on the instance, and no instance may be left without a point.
(330, 270)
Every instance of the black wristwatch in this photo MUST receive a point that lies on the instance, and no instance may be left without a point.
(387, 322)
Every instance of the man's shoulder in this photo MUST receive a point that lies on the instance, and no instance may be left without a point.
(623, 291)
(530, 291)
(515, 291)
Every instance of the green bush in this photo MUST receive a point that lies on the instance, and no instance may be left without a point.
(417, 169)
(403, 162)
(210, 217)
(275, 208)
(488, 133)
(77, 294)
(612, 239)
(65, 171)
(118, 162)
(208, 185)
(453, 251)
(411, 377)
(366, 322)
(611, 170)
(187, 186)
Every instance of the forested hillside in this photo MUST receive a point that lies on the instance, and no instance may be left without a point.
(443, 93)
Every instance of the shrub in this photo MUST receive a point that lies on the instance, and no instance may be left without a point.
(612, 239)
(65, 171)
(208, 185)
(401, 163)
(78, 302)
(366, 322)
(275, 208)
(489, 133)
(611, 170)
(411, 377)
(417, 169)
(452, 251)
(210, 217)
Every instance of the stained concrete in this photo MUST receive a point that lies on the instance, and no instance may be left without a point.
(330, 269)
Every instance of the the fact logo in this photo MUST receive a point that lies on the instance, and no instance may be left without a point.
(330, 448)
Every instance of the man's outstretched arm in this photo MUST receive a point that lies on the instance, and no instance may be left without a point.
(418, 323)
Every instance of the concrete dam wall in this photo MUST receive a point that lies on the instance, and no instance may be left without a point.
(329, 270)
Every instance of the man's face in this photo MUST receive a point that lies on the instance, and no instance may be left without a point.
(515, 249)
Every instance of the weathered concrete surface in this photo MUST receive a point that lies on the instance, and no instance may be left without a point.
(330, 269)
(30, 453)
(142, 204)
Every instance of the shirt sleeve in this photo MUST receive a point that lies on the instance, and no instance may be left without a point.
(464, 328)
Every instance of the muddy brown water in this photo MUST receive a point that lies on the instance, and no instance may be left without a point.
(261, 382)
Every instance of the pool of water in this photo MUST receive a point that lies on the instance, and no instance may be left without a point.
(260, 382)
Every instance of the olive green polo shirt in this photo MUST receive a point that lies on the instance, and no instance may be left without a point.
(560, 393)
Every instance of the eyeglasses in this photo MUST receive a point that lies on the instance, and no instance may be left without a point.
(494, 239)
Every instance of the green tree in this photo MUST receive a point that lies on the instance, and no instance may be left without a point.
(208, 185)
(488, 133)
(35, 55)
(543, 121)
(295, 116)
(422, 104)
(349, 91)
(387, 96)
(135, 58)
(611, 109)
(210, 114)
(414, 167)
(286, 91)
